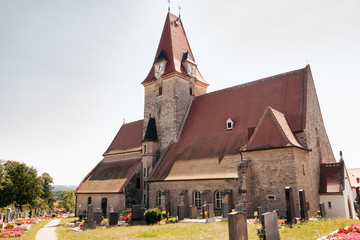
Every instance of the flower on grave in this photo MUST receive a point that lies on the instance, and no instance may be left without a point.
(260, 232)
(206, 213)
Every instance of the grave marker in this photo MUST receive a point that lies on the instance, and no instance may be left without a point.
(136, 212)
(237, 226)
(322, 210)
(193, 212)
(113, 218)
(269, 222)
(303, 205)
(290, 208)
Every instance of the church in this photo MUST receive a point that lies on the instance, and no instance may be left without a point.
(237, 146)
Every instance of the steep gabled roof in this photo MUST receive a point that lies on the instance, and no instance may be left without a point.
(128, 138)
(204, 134)
(272, 131)
(109, 177)
(151, 132)
(172, 47)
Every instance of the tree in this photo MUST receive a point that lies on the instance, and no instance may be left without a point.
(47, 194)
(22, 184)
(68, 199)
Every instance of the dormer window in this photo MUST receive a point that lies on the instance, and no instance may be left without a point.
(229, 124)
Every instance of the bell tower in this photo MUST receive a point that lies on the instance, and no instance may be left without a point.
(173, 82)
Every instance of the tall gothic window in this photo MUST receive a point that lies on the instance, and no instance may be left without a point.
(158, 198)
(197, 199)
(160, 91)
(218, 198)
(191, 92)
(89, 200)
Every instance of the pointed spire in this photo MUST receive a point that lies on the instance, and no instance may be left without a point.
(151, 132)
(173, 44)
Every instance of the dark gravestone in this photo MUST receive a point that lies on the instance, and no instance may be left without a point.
(269, 222)
(303, 205)
(211, 210)
(113, 218)
(322, 210)
(238, 208)
(290, 208)
(98, 216)
(90, 223)
(136, 212)
(181, 212)
(225, 209)
(8, 215)
(193, 212)
(237, 226)
(260, 210)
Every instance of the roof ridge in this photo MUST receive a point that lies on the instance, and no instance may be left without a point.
(255, 82)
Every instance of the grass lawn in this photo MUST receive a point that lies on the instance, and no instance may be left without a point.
(309, 230)
(31, 233)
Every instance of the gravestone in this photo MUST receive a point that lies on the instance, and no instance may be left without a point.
(193, 212)
(111, 208)
(181, 212)
(237, 226)
(8, 215)
(2, 217)
(32, 213)
(90, 223)
(136, 212)
(303, 205)
(26, 214)
(290, 208)
(211, 210)
(98, 216)
(225, 209)
(269, 222)
(114, 218)
(322, 210)
(260, 210)
(238, 208)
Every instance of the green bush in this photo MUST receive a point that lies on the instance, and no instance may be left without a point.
(152, 216)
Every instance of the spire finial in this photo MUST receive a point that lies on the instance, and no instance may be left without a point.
(168, 5)
(179, 12)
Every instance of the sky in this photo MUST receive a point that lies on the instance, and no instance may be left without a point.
(71, 71)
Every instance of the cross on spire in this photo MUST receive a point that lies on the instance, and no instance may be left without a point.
(179, 12)
(168, 5)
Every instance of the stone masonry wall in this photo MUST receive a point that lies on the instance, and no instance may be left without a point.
(272, 171)
(176, 187)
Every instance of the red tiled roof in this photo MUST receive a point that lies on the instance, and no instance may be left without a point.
(330, 178)
(129, 136)
(109, 177)
(174, 42)
(273, 131)
(204, 134)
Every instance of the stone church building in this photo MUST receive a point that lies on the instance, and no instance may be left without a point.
(239, 145)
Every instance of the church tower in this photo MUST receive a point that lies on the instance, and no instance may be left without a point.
(172, 83)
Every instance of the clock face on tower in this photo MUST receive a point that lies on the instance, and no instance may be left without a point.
(159, 69)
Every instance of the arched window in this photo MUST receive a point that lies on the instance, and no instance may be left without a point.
(160, 90)
(191, 92)
(104, 206)
(218, 198)
(158, 198)
(197, 199)
(89, 200)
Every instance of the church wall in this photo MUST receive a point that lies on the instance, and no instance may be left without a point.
(315, 138)
(272, 171)
(169, 109)
(117, 200)
(176, 187)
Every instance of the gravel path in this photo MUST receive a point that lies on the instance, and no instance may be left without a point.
(48, 231)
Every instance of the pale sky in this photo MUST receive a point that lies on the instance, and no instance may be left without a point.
(71, 71)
